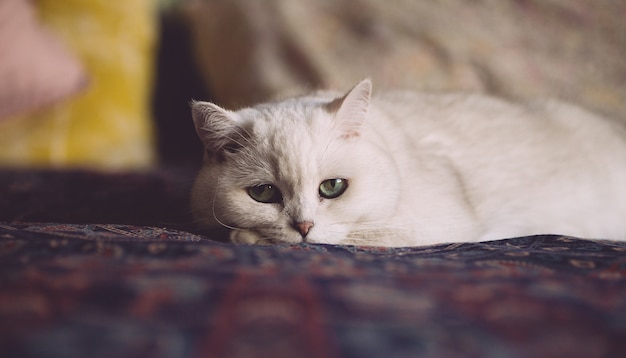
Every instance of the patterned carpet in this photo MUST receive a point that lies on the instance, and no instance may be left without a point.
(103, 290)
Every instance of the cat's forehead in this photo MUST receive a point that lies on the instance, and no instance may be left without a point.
(284, 123)
(288, 110)
(290, 140)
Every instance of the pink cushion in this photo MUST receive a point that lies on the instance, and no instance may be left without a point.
(35, 68)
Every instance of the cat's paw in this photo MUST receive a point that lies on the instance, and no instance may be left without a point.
(249, 237)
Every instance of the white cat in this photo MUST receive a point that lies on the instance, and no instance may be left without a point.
(405, 169)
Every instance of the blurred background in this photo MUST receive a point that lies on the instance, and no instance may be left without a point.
(105, 85)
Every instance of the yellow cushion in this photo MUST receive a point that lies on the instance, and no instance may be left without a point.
(109, 125)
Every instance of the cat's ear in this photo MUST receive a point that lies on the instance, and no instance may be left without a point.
(351, 109)
(216, 127)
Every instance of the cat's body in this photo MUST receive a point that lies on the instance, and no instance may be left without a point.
(419, 169)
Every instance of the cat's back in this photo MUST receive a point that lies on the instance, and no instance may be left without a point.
(475, 132)
(459, 119)
(569, 163)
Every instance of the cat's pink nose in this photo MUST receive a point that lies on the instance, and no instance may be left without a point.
(303, 227)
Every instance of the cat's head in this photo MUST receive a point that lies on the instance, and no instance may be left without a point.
(303, 169)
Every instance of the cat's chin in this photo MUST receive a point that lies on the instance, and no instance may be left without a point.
(251, 237)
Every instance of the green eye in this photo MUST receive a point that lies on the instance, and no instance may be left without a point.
(332, 188)
(265, 193)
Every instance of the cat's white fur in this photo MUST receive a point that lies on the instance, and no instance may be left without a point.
(421, 169)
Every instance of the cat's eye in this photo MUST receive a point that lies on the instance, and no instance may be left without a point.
(265, 193)
(333, 188)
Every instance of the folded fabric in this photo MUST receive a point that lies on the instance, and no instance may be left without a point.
(575, 50)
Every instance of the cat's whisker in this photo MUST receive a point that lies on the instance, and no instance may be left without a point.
(220, 222)
(247, 135)
(236, 140)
